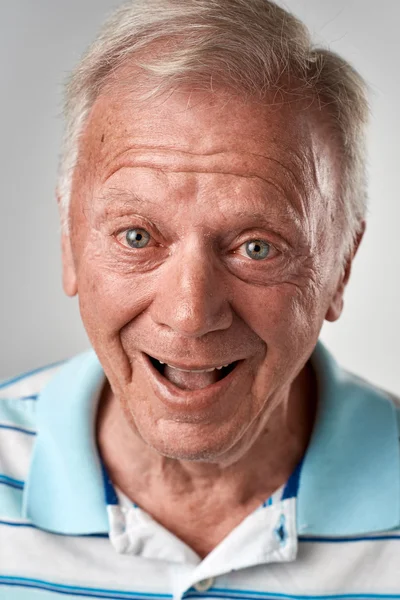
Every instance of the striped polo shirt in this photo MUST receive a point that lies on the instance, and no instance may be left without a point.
(332, 532)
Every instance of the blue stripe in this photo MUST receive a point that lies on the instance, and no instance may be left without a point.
(77, 591)
(344, 540)
(16, 524)
(267, 502)
(34, 397)
(109, 490)
(253, 595)
(13, 380)
(19, 524)
(19, 429)
(15, 483)
(292, 485)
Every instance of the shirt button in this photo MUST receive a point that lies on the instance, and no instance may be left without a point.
(204, 586)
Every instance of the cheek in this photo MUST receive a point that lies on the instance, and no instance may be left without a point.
(289, 323)
(283, 313)
(109, 300)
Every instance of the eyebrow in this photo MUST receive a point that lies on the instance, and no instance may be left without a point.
(281, 220)
(289, 214)
(114, 194)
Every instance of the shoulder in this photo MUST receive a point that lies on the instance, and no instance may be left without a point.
(18, 397)
(28, 384)
(365, 389)
(18, 403)
(374, 409)
(343, 393)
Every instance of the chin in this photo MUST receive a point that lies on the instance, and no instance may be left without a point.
(189, 454)
(183, 442)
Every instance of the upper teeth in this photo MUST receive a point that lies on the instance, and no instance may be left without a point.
(194, 370)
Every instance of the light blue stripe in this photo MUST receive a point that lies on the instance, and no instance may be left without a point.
(19, 429)
(75, 590)
(10, 382)
(10, 502)
(14, 593)
(16, 483)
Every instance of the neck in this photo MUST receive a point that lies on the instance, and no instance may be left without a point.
(211, 498)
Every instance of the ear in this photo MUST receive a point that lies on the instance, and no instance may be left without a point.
(336, 306)
(69, 273)
(68, 266)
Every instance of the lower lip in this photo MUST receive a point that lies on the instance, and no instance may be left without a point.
(191, 400)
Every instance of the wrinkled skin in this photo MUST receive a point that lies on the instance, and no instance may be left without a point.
(203, 174)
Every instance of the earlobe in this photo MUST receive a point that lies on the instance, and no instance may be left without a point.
(69, 274)
(335, 308)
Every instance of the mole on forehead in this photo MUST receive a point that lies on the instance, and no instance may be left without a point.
(111, 144)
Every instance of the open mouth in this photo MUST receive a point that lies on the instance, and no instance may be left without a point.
(192, 379)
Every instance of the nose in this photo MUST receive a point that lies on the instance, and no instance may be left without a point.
(191, 296)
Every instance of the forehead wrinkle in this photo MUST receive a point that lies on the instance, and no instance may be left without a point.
(297, 207)
(165, 166)
(170, 153)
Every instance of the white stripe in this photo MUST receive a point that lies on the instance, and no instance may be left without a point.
(353, 568)
(15, 453)
(27, 385)
(82, 561)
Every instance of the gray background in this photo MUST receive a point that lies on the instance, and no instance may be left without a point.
(39, 43)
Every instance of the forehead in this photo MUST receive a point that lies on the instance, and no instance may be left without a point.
(210, 132)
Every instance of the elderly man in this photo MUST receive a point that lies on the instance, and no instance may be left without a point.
(212, 196)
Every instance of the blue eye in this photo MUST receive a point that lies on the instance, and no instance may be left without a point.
(257, 249)
(137, 238)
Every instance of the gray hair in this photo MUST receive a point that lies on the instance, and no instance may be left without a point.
(251, 46)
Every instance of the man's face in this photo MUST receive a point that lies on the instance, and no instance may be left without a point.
(201, 236)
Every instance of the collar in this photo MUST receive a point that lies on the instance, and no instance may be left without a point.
(349, 481)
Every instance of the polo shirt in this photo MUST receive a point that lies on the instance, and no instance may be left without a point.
(333, 531)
